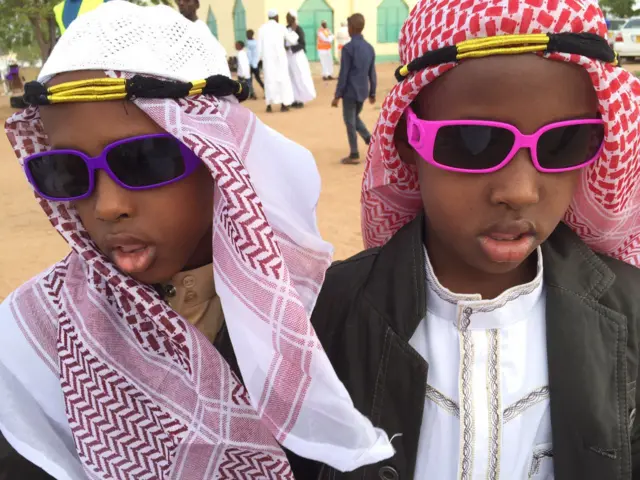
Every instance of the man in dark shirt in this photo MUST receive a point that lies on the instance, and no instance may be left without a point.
(356, 83)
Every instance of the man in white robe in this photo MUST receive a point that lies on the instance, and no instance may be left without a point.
(303, 88)
(325, 51)
(271, 46)
(342, 37)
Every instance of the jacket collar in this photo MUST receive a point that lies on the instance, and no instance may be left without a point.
(397, 284)
(569, 264)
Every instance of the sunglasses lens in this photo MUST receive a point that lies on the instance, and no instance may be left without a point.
(61, 175)
(147, 162)
(472, 147)
(569, 146)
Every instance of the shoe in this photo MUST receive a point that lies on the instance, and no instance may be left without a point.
(253, 97)
(352, 159)
(368, 141)
(284, 108)
(330, 78)
(297, 105)
(269, 109)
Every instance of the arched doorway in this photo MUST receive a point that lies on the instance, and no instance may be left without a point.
(310, 14)
(239, 21)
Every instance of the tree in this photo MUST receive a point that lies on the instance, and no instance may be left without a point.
(619, 8)
(29, 26)
(26, 23)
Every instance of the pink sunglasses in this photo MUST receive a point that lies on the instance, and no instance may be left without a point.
(478, 146)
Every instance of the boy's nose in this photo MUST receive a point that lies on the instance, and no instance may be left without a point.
(112, 202)
(518, 184)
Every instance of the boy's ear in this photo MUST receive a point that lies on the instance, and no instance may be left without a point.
(406, 152)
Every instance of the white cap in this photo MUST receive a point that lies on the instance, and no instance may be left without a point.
(293, 13)
(146, 40)
(272, 13)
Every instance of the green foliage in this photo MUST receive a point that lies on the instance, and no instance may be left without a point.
(29, 29)
(618, 8)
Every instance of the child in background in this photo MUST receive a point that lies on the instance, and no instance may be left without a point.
(254, 61)
(244, 69)
(174, 340)
(494, 322)
(356, 83)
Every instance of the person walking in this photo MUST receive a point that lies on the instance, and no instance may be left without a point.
(244, 69)
(303, 89)
(356, 83)
(254, 62)
(271, 45)
(325, 41)
(342, 37)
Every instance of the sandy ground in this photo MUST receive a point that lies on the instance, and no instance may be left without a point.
(30, 244)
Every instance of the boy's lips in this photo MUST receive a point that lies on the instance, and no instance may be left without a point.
(508, 242)
(130, 254)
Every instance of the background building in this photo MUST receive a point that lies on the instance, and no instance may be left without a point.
(229, 19)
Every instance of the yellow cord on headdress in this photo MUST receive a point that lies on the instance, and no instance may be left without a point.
(198, 85)
(88, 98)
(501, 51)
(104, 89)
(475, 44)
(92, 82)
(498, 45)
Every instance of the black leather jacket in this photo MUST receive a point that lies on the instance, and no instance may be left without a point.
(371, 305)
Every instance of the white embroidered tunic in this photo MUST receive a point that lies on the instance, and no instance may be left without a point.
(486, 413)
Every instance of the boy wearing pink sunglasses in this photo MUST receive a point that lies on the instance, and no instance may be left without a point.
(492, 326)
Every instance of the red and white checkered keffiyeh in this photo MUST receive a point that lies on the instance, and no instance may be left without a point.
(146, 395)
(605, 211)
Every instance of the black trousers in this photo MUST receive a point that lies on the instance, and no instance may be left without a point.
(255, 73)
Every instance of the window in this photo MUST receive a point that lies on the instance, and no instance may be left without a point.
(616, 24)
(391, 16)
(211, 23)
(635, 23)
(239, 21)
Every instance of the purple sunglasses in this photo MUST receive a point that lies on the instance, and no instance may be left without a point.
(136, 163)
(478, 146)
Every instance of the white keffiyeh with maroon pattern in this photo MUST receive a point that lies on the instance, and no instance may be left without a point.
(101, 379)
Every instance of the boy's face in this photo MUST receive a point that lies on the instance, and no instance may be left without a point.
(171, 223)
(463, 209)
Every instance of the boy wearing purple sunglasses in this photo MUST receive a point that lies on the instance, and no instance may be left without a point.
(174, 341)
(492, 326)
